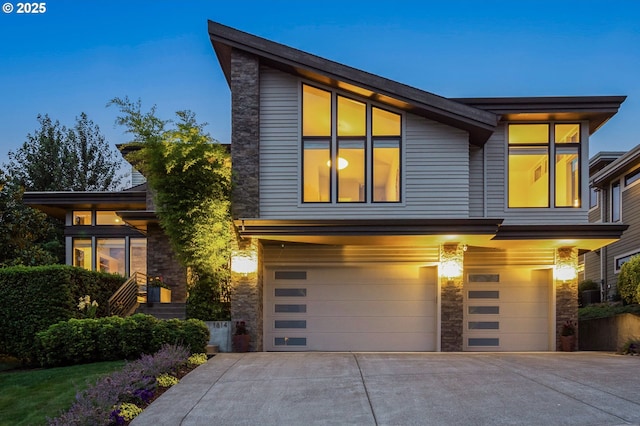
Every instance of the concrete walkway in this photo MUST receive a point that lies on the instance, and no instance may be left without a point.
(582, 388)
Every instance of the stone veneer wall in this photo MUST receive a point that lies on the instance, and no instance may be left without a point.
(162, 261)
(452, 306)
(566, 294)
(245, 134)
(451, 322)
(247, 296)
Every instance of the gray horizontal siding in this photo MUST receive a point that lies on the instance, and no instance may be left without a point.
(496, 195)
(476, 181)
(435, 166)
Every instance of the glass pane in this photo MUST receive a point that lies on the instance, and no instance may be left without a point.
(82, 218)
(290, 341)
(484, 294)
(632, 177)
(110, 255)
(290, 323)
(385, 123)
(290, 292)
(108, 218)
(386, 170)
(484, 325)
(351, 167)
(316, 166)
(484, 341)
(138, 255)
(567, 133)
(528, 133)
(284, 308)
(528, 177)
(82, 253)
(593, 198)
(351, 117)
(316, 112)
(567, 177)
(484, 310)
(615, 202)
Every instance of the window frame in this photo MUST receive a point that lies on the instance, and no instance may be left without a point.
(596, 191)
(628, 255)
(551, 145)
(334, 140)
(613, 203)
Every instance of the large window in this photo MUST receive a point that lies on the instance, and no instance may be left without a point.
(122, 256)
(352, 143)
(616, 206)
(534, 179)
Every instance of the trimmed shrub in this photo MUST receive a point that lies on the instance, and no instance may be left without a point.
(628, 280)
(33, 298)
(588, 285)
(79, 341)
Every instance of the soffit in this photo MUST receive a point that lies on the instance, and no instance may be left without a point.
(479, 123)
(616, 168)
(422, 233)
(56, 204)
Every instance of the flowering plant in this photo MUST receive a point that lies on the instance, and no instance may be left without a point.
(157, 281)
(89, 307)
(568, 328)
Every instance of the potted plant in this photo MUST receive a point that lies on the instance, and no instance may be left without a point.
(568, 336)
(241, 338)
(158, 291)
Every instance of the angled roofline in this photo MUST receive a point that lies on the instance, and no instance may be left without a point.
(597, 109)
(479, 123)
(620, 166)
(602, 159)
(56, 203)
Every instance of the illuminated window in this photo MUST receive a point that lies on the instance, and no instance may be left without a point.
(531, 176)
(138, 255)
(82, 253)
(110, 255)
(360, 151)
(108, 218)
(82, 218)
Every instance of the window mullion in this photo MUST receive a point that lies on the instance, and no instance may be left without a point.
(333, 181)
(552, 165)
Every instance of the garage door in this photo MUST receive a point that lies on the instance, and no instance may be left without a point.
(507, 310)
(368, 307)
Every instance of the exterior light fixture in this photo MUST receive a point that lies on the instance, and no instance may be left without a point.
(244, 262)
(451, 257)
(565, 272)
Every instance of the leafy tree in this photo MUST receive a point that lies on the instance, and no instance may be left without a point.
(629, 280)
(55, 158)
(27, 236)
(190, 175)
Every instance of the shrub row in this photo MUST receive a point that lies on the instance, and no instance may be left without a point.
(33, 298)
(79, 341)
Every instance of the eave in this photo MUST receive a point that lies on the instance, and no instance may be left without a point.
(428, 232)
(596, 109)
(616, 168)
(480, 124)
(139, 219)
(56, 204)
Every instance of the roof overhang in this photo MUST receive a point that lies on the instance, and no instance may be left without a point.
(428, 232)
(596, 109)
(479, 123)
(139, 219)
(56, 204)
(616, 168)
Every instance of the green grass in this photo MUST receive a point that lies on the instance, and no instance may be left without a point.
(603, 310)
(28, 397)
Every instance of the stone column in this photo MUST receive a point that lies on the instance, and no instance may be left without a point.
(245, 134)
(450, 273)
(161, 261)
(247, 292)
(566, 284)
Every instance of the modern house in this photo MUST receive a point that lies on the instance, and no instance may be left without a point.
(615, 197)
(374, 216)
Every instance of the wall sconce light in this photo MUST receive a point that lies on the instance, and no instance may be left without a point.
(451, 257)
(244, 262)
(565, 272)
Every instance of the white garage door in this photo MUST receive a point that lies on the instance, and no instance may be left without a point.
(368, 307)
(507, 310)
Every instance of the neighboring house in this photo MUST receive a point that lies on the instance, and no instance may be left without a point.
(615, 197)
(374, 216)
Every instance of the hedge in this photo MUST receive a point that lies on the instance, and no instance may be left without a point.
(33, 298)
(79, 341)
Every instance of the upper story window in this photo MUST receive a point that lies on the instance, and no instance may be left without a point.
(616, 202)
(82, 218)
(350, 149)
(593, 197)
(536, 181)
(107, 218)
(632, 177)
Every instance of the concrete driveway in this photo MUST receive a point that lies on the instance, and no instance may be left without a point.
(580, 388)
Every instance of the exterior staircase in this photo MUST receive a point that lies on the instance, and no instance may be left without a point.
(164, 310)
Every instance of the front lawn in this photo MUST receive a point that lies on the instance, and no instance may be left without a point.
(28, 397)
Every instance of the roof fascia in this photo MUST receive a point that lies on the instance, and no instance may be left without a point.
(617, 167)
(479, 123)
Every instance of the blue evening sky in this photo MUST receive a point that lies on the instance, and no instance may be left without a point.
(78, 55)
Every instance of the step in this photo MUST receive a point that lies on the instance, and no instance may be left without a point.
(164, 310)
